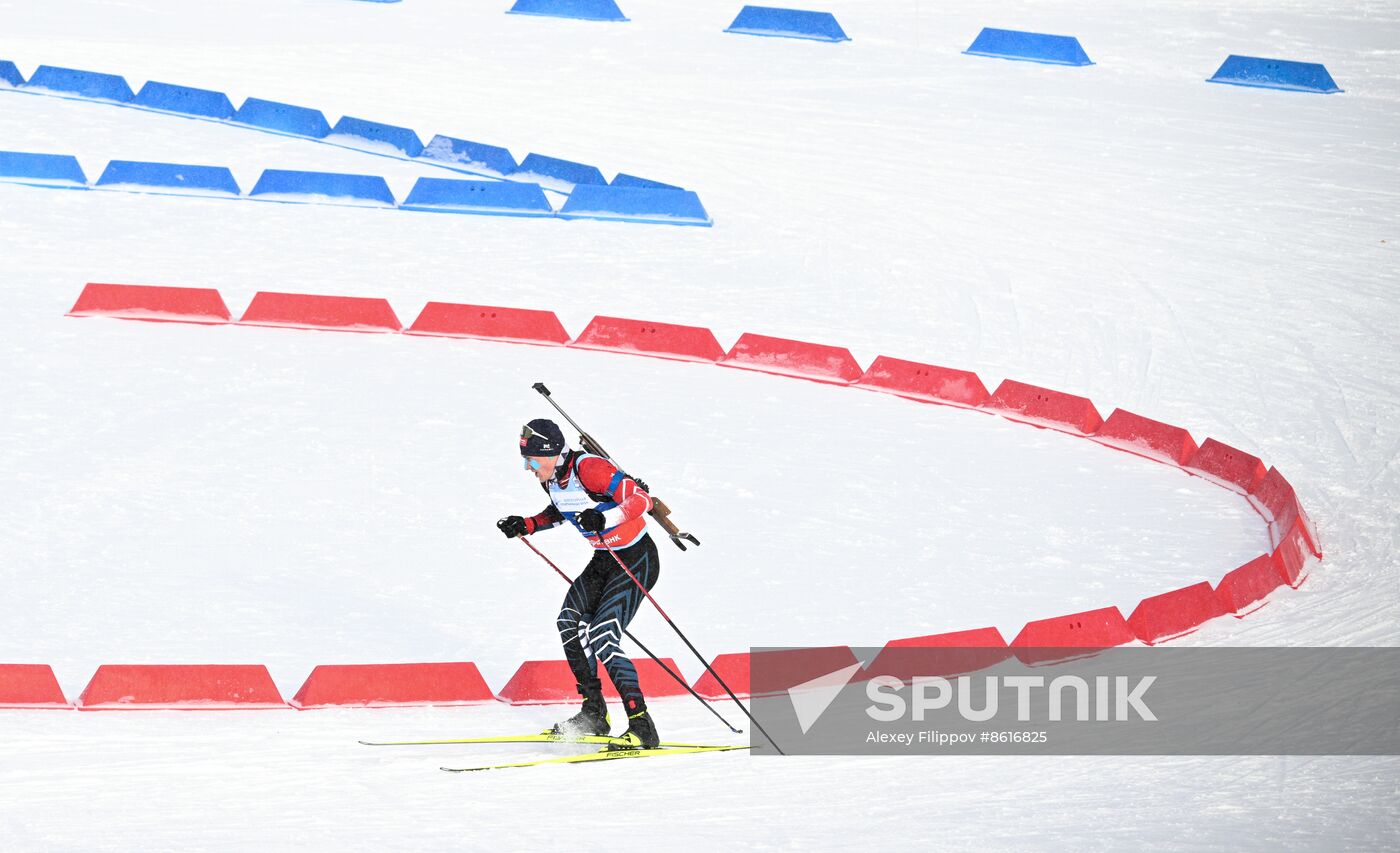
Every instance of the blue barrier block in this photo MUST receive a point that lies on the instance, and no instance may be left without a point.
(183, 99)
(622, 179)
(62, 169)
(401, 138)
(787, 23)
(334, 185)
(507, 198)
(169, 176)
(635, 204)
(298, 121)
(471, 156)
(89, 84)
(1028, 47)
(587, 10)
(9, 74)
(1275, 74)
(560, 174)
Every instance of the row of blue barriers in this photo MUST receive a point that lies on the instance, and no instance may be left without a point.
(458, 155)
(999, 43)
(1236, 70)
(432, 195)
(751, 20)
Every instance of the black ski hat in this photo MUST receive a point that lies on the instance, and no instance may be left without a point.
(541, 437)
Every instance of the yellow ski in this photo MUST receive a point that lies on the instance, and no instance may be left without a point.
(602, 755)
(543, 737)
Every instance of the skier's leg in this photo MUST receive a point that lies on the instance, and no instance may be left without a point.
(619, 602)
(574, 615)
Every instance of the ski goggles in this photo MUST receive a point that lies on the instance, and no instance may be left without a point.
(527, 433)
(532, 464)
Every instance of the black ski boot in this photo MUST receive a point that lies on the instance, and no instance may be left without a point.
(640, 734)
(592, 719)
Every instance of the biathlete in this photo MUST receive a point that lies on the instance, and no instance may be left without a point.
(609, 509)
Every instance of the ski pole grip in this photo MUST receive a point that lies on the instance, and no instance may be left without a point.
(539, 386)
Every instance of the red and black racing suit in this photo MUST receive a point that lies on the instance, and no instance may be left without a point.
(602, 600)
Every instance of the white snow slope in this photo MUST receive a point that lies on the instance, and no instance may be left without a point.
(1215, 257)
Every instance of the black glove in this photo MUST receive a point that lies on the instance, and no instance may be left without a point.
(591, 520)
(512, 526)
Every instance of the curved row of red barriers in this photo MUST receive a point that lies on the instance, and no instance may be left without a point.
(1155, 619)
(250, 687)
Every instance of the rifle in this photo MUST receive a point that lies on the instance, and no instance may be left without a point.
(658, 511)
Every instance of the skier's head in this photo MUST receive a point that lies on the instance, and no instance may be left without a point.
(542, 444)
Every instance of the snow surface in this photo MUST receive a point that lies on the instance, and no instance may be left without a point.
(1215, 257)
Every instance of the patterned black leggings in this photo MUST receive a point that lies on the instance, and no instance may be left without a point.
(599, 605)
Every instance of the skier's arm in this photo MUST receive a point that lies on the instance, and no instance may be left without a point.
(543, 521)
(596, 474)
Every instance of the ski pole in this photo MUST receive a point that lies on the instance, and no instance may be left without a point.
(688, 644)
(645, 650)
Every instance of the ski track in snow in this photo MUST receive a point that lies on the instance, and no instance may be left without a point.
(1215, 257)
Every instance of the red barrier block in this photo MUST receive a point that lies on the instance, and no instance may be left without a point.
(1174, 614)
(770, 672)
(1146, 437)
(26, 685)
(393, 684)
(1242, 590)
(1078, 634)
(663, 340)
(1292, 554)
(976, 638)
(1043, 407)
(198, 687)
(1224, 464)
(1276, 495)
(329, 313)
(542, 682)
(519, 325)
(551, 682)
(925, 382)
(817, 362)
(734, 669)
(148, 302)
(953, 653)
